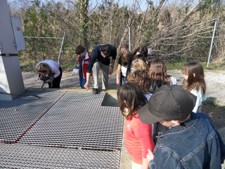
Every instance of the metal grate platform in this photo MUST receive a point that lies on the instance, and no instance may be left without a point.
(22, 156)
(78, 122)
(55, 129)
(18, 115)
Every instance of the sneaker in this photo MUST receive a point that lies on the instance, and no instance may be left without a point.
(95, 91)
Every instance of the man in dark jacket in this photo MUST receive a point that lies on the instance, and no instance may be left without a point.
(102, 58)
(191, 141)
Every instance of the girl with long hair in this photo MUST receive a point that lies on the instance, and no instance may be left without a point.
(138, 136)
(194, 81)
(158, 74)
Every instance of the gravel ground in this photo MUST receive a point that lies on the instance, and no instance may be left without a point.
(215, 81)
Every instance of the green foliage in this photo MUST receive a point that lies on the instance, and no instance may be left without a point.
(172, 65)
(206, 4)
(178, 64)
(214, 66)
(161, 29)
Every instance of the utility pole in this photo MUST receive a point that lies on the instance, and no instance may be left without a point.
(129, 38)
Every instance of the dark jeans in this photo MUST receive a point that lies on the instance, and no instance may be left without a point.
(123, 80)
(82, 82)
(57, 80)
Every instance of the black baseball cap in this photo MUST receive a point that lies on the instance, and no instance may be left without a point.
(170, 102)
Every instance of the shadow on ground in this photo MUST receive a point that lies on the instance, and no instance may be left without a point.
(215, 112)
(109, 100)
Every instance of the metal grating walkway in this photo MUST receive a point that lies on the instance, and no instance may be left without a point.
(60, 130)
(80, 125)
(18, 115)
(23, 156)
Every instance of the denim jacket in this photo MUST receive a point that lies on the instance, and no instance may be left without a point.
(195, 144)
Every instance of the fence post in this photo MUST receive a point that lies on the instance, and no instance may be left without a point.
(61, 47)
(129, 38)
(210, 50)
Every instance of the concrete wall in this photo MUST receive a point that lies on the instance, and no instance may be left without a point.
(7, 38)
(11, 81)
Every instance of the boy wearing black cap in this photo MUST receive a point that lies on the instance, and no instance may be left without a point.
(191, 142)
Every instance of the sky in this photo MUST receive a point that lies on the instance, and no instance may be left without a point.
(130, 3)
(92, 3)
(143, 3)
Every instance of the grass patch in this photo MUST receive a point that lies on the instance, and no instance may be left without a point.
(68, 67)
(27, 66)
(171, 65)
(214, 66)
(175, 65)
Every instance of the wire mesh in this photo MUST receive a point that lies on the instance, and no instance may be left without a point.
(23, 156)
(80, 123)
(54, 129)
(18, 115)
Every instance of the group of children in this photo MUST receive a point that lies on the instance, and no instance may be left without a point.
(144, 81)
(163, 126)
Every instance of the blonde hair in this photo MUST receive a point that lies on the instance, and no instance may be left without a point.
(140, 78)
(138, 64)
(43, 67)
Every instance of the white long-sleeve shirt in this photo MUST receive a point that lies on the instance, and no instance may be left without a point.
(200, 98)
(53, 65)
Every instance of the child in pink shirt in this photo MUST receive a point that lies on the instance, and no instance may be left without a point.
(138, 136)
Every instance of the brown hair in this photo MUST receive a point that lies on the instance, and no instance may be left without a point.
(43, 67)
(158, 74)
(130, 99)
(157, 70)
(125, 58)
(124, 46)
(79, 49)
(142, 50)
(196, 77)
(140, 78)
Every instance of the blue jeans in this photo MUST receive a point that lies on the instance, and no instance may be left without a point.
(82, 82)
(123, 80)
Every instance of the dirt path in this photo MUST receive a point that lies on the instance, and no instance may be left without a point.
(215, 81)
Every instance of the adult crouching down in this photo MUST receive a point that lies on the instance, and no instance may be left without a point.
(49, 72)
(102, 58)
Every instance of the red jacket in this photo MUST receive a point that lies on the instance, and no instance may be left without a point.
(85, 63)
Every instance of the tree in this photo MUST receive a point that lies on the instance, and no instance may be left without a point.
(84, 22)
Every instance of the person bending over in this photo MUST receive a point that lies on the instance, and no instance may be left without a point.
(102, 58)
(50, 72)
